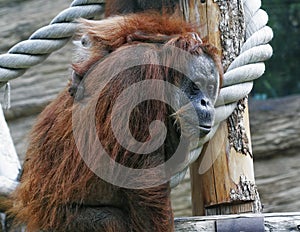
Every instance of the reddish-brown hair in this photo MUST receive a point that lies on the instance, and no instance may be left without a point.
(56, 180)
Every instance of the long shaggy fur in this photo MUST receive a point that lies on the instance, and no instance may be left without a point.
(109, 34)
(57, 185)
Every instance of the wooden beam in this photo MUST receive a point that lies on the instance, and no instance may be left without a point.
(222, 178)
(272, 222)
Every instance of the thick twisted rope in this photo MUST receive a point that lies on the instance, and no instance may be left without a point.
(9, 161)
(248, 66)
(46, 40)
(239, 77)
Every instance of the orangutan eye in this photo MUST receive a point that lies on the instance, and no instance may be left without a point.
(194, 89)
(85, 41)
(210, 89)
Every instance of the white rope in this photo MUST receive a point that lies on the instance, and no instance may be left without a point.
(7, 96)
(245, 73)
(9, 160)
(46, 40)
(248, 66)
(260, 37)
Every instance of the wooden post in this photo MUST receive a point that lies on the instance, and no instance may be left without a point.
(223, 176)
(270, 222)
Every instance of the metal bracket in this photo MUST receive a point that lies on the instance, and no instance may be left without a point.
(245, 224)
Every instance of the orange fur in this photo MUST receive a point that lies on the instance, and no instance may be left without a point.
(109, 34)
(57, 185)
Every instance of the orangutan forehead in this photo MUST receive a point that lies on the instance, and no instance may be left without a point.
(203, 67)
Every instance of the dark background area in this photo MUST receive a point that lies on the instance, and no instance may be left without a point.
(282, 71)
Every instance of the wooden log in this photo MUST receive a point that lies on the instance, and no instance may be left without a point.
(275, 126)
(271, 222)
(223, 176)
(266, 222)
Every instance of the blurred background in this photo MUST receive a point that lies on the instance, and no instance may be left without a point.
(274, 103)
(282, 76)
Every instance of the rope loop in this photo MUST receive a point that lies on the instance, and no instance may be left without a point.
(248, 66)
(46, 40)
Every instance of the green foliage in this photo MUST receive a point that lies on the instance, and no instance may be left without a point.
(282, 71)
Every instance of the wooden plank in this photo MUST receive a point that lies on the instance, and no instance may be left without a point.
(219, 190)
(197, 15)
(272, 222)
(213, 22)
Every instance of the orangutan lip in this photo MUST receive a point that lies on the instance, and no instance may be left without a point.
(205, 128)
